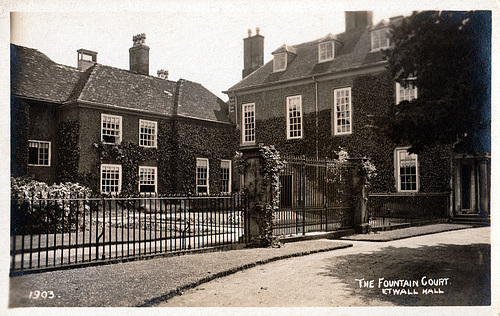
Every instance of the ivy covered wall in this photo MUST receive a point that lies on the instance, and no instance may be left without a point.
(33, 120)
(203, 140)
(180, 141)
(69, 151)
(19, 120)
(371, 94)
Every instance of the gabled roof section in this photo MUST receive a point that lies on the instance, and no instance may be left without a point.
(285, 49)
(34, 75)
(328, 38)
(354, 52)
(380, 25)
(197, 101)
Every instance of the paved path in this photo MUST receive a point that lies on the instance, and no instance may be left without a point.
(329, 279)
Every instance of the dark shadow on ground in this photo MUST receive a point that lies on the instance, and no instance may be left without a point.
(467, 267)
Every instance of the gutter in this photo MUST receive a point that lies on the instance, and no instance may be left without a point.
(95, 105)
(310, 79)
(37, 99)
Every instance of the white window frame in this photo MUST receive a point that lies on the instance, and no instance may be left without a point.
(248, 128)
(148, 124)
(288, 118)
(205, 160)
(119, 167)
(229, 174)
(335, 112)
(40, 142)
(155, 177)
(397, 171)
(378, 35)
(323, 52)
(400, 98)
(120, 127)
(279, 62)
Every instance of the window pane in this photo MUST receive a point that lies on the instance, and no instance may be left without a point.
(147, 133)
(294, 113)
(249, 122)
(110, 178)
(38, 153)
(147, 179)
(111, 128)
(342, 113)
(407, 170)
(225, 177)
(201, 175)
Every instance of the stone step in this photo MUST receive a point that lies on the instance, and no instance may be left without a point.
(472, 219)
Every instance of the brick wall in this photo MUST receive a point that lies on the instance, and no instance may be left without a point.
(43, 127)
(371, 96)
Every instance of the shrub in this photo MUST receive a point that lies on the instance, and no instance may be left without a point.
(40, 208)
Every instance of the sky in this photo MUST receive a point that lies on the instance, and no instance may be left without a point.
(197, 41)
(201, 41)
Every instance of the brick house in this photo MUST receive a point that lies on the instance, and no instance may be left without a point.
(317, 97)
(117, 130)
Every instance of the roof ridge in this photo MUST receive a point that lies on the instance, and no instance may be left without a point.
(81, 83)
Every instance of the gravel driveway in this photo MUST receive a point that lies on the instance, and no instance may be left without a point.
(332, 278)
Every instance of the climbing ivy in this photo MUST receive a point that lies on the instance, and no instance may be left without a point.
(19, 124)
(69, 151)
(371, 95)
(129, 155)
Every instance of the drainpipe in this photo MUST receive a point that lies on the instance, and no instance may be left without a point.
(236, 109)
(317, 120)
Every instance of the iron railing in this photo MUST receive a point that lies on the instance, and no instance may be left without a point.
(55, 232)
(315, 195)
(390, 209)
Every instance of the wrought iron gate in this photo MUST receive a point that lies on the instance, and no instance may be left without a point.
(315, 195)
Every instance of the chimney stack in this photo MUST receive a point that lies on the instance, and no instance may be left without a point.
(86, 59)
(139, 55)
(162, 73)
(355, 19)
(253, 52)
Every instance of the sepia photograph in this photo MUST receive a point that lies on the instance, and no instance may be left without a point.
(250, 157)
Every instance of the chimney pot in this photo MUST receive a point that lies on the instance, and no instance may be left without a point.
(257, 30)
(162, 73)
(86, 59)
(139, 55)
(253, 52)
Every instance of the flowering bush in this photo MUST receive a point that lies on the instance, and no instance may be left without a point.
(239, 162)
(272, 165)
(40, 208)
(369, 170)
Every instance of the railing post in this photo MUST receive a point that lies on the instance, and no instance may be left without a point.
(256, 194)
(303, 192)
(360, 190)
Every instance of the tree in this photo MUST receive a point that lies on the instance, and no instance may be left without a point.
(448, 57)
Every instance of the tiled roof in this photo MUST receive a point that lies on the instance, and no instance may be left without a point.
(196, 101)
(354, 51)
(34, 75)
(122, 88)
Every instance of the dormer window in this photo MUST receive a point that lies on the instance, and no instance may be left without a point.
(325, 51)
(279, 62)
(380, 39)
